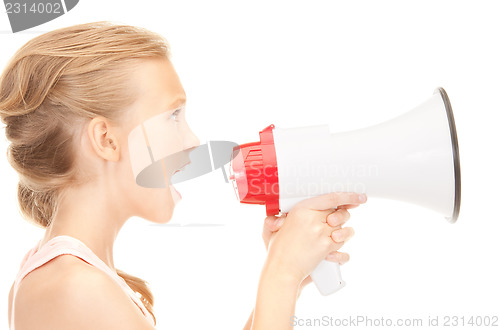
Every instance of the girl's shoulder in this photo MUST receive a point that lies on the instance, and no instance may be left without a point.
(45, 287)
(67, 292)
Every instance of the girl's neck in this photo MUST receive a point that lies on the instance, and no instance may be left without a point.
(87, 214)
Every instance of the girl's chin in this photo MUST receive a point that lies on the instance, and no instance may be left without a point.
(161, 205)
(162, 217)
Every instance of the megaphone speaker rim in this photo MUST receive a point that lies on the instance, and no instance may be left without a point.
(455, 152)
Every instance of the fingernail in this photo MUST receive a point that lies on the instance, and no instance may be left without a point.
(280, 221)
(362, 198)
(337, 236)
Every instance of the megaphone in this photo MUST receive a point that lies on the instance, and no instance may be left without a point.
(412, 158)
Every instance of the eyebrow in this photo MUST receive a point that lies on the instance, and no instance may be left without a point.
(179, 102)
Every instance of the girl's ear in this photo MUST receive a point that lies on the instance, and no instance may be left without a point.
(103, 139)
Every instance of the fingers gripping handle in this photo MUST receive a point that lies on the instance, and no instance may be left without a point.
(327, 277)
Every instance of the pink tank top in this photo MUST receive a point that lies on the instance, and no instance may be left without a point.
(59, 245)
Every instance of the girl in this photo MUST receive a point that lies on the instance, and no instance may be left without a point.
(69, 99)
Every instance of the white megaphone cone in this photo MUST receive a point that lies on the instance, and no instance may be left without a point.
(412, 158)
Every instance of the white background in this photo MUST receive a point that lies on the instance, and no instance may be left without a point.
(245, 65)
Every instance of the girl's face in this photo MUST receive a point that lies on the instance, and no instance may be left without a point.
(162, 99)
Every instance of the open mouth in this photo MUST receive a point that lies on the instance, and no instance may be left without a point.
(178, 194)
(182, 168)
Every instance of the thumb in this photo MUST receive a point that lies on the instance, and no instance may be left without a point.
(273, 223)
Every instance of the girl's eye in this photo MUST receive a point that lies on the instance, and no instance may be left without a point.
(175, 114)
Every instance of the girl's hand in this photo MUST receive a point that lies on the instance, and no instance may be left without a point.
(336, 220)
(312, 232)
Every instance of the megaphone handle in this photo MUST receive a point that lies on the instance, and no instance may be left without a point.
(327, 277)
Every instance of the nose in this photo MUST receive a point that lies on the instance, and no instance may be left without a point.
(191, 140)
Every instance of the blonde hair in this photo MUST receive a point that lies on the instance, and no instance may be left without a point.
(52, 85)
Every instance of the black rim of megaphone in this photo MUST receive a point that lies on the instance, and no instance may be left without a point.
(456, 156)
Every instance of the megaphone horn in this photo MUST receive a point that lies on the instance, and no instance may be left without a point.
(412, 158)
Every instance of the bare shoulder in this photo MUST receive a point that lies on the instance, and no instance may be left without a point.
(68, 293)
